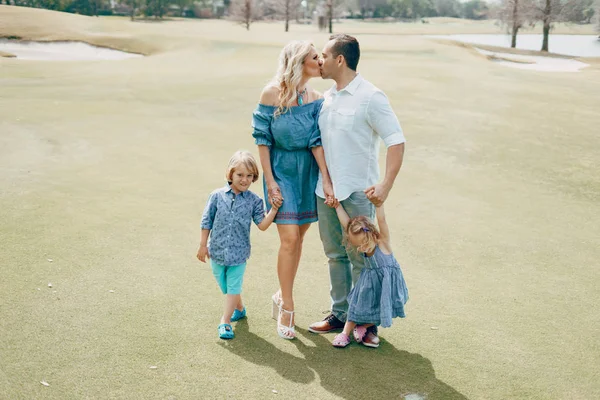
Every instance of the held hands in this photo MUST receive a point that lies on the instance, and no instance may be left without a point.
(275, 198)
(377, 194)
(330, 199)
(203, 253)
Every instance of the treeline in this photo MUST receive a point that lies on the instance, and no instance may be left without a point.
(378, 9)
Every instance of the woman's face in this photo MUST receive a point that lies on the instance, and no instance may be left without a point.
(312, 69)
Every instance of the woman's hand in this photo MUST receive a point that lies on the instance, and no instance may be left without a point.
(275, 198)
(330, 199)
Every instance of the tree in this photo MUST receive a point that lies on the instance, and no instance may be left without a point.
(134, 4)
(579, 11)
(547, 12)
(514, 14)
(447, 8)
(474, 9)
(598, 16)
(412, 9)
(244, 11)
(284, 9)
(156, 8)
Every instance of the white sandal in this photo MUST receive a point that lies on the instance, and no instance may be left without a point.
(285, 332)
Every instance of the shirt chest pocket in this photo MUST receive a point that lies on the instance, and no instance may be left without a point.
(343, 118)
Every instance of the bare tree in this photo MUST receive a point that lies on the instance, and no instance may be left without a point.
(332, 8)
(598, 16)
(514, 14)
(547, 12)
(284, 9)
(244, 11)
(134, 4)
(579, 11)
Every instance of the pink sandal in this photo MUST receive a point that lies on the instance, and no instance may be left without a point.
(341, 340)
(359, 333)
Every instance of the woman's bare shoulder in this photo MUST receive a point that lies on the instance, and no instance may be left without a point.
(270, 95)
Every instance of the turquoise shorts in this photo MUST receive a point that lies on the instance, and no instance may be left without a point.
(229, 278)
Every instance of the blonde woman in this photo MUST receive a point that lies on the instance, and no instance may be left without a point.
(287, 133)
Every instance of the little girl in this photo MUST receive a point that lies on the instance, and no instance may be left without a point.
(380, 292)
(227, 219)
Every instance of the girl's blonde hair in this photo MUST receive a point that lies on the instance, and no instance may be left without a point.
(289, 72)
(242, 158)
(363, 224)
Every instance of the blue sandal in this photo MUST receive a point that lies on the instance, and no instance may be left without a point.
(226, 331)
(237, 314)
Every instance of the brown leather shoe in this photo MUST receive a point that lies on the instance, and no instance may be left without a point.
(371, 339)
(329, 324)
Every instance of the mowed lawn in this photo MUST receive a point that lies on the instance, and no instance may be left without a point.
(105, 168)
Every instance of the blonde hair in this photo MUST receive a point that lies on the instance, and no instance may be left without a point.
(242, 158)
(363, 224)
(289, 72)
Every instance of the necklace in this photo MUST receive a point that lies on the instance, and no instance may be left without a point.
(300, 94)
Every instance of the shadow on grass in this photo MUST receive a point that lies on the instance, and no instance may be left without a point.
(353, 372)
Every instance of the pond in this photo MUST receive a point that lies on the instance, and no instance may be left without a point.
(61, 51)
(570, 45)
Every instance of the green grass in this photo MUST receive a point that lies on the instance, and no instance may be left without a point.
(105, 168)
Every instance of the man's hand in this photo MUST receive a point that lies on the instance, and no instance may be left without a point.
(330, 199)
(203, 253)
(377, 194)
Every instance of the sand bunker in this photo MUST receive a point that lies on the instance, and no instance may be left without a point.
(536, 63)
(61, 51)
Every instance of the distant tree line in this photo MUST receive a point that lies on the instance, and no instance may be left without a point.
(269, 9)
(516, 14)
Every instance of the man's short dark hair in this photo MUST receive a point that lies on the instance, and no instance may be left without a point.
(347, 46)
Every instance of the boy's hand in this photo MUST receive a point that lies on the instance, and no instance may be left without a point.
(277, 202)
(203, 253)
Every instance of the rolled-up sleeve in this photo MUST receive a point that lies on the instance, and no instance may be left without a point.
(383, 120)
(208, 216)
(258, 211)
(261, 125)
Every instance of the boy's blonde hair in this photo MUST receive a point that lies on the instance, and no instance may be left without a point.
(363, 224)
(242, 158)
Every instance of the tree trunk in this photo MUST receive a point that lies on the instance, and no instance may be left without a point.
(287, 15)
(330, 6)
(546, 34)
(547, 13)
(515, 28)
(248, 12)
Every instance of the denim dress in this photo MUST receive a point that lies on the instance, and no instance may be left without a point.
(290, 137)
(380, 293)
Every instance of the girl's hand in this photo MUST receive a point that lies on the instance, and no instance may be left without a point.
(330, 199)
(203, 253)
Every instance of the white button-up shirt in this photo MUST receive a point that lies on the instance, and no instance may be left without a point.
(351, 123)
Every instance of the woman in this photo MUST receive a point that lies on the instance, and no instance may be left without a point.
(286, 131)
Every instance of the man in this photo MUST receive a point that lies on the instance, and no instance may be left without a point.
(354, 116)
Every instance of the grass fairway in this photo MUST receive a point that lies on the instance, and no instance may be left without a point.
(105, 168)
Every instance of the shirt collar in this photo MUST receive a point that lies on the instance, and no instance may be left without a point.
(352, 86)
(228, 190)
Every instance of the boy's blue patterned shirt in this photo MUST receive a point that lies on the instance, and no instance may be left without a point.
(228, 216)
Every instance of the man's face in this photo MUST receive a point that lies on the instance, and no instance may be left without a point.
(328, 62)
